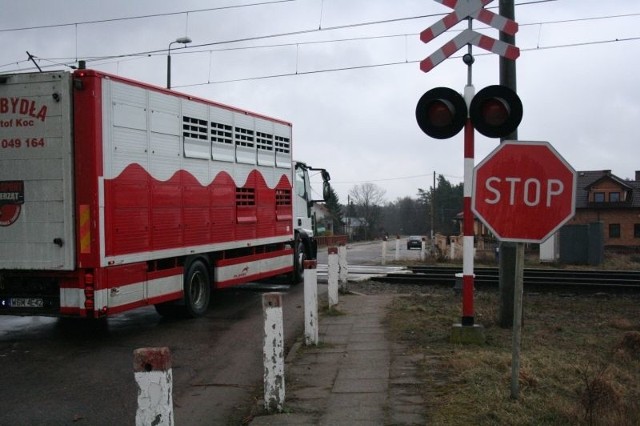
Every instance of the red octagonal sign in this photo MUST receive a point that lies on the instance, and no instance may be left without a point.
(524, 191)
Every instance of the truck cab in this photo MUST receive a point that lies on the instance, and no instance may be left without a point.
(305, 244)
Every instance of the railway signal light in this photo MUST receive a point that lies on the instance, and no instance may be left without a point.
(496, 111)
(441, 112)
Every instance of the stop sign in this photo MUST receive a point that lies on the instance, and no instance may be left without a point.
(524, 191)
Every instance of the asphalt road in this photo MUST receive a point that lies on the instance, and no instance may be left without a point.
(57, 372)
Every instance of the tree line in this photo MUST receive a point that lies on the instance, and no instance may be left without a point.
(367, 214)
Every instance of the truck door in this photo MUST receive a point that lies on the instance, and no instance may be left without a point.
(301, 206)
(36, 170)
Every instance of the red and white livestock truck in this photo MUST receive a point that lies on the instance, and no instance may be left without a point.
(115, 195)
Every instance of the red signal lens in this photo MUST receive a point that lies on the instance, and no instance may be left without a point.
(440, 113)
(495, 111)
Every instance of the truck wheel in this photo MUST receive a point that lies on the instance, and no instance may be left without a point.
(197, 290)
(298, 261)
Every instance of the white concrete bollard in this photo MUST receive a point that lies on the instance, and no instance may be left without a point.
(273, 352)
(311, 323)
(423, 249)
(398, 247)
(152, 372)
(343, 274)
(332, 279)
(384, 252)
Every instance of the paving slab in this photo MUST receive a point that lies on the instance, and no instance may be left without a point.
(355, 376)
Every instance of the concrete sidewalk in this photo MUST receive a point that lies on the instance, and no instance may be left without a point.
(355, 376)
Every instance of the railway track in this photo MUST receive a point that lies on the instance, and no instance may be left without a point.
(534, 278)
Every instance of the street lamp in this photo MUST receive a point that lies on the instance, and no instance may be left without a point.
(181, 40)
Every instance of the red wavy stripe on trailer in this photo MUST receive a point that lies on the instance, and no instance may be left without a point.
(144, 214)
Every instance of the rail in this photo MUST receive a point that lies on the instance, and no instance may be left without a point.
(487, 277)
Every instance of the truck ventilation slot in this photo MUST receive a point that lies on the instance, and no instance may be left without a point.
(283, 145)
(265, 141)
(194, 128)
(245, 197)
(244, 137)
(283, 197)
(221, 133)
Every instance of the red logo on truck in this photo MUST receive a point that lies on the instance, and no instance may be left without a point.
(23, 106)
(11, 200)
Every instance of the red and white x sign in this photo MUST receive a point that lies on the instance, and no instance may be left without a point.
(463, 9)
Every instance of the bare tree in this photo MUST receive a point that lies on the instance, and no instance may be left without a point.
(368, 199)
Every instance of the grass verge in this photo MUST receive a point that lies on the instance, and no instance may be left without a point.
(580, 359)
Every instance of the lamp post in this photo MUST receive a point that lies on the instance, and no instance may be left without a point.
(181, 40)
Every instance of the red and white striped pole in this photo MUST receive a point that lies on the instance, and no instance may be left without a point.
(468, 238)
(467, 225)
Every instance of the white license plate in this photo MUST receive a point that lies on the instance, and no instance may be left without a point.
(26, 302)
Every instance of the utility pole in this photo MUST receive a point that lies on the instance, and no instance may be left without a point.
(507, 254)
(433, 205)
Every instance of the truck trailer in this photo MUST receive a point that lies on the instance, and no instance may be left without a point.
(115, 194)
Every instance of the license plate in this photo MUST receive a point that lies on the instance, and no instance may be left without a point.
(26, 302)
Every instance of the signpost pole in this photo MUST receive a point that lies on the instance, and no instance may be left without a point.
(517, 321)
(507, 250)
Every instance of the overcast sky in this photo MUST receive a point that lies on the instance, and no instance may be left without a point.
(350, 89)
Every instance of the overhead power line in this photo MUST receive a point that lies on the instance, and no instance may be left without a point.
(191, 50)
(183, 12)
(337, 69)
(386, 64)
(154, 15)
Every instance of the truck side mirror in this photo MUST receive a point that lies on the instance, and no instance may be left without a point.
(326, 190)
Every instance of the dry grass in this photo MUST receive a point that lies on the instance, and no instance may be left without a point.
(580, 359)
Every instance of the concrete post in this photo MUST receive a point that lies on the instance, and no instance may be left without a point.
(273, 352)
(344, 268)
(333, 276)
(311, 323)
(423, 249)
(152, 372)
(398, 247)
(384, 252)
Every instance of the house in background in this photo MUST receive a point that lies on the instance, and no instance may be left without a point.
(604, 197)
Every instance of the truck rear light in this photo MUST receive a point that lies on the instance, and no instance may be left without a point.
(88, 292)
(89, 299)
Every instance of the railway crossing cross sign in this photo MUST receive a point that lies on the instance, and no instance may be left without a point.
(468, 9)
(524, 191)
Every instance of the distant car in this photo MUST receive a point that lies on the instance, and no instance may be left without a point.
(414, 241)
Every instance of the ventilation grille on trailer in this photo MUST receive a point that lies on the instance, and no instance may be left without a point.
(245, 197)
(196, 128)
